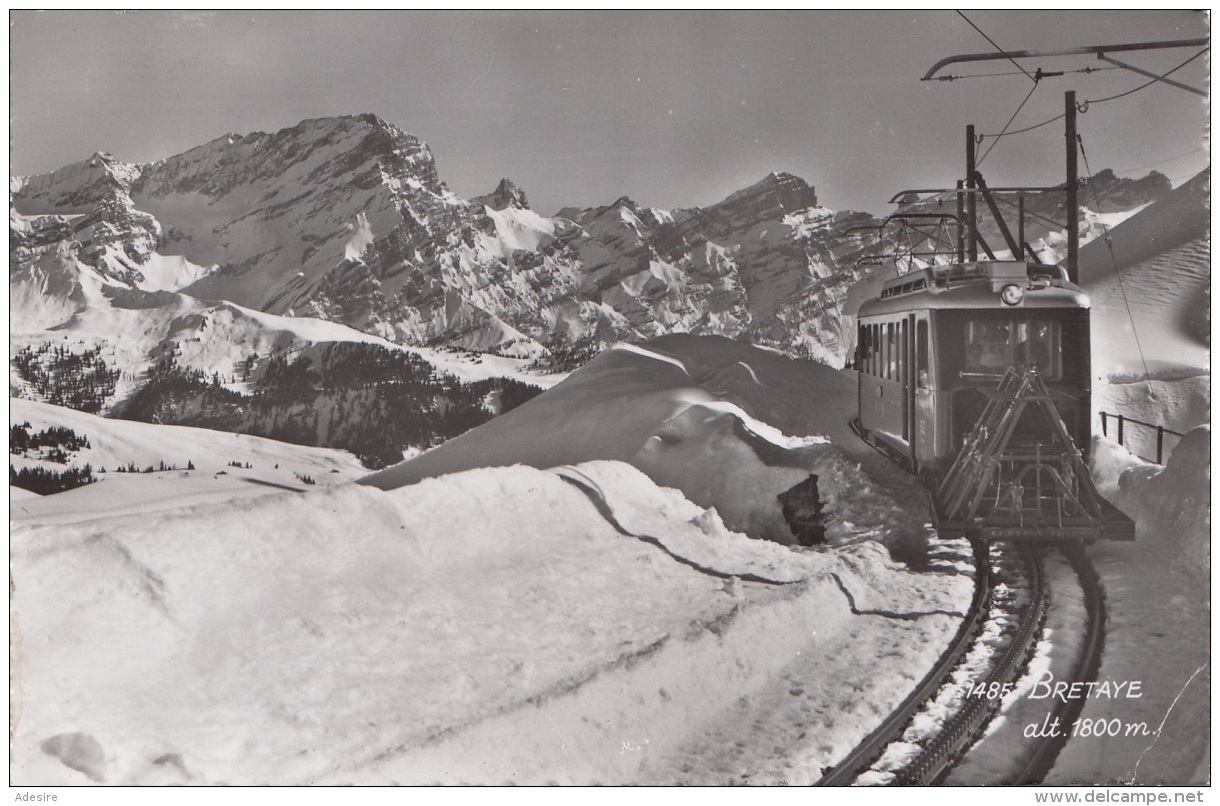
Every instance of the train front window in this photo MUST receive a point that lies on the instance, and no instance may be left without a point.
(992, 347)
(1038, 347)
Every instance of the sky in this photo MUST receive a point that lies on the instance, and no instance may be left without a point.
(674, 109)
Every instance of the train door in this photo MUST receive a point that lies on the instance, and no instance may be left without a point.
(908, 382)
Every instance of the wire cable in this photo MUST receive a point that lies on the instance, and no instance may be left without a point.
(1161, 162)
(1027, 128)
(997, 47)
(1105, 230)
(1006, 125)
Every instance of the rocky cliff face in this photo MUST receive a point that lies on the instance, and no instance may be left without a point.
(346, 219)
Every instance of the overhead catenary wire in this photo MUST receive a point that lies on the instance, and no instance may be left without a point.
(1148, 83)
(1055, 74)
(1162, 162)
(1083, 106)
(1011, 118)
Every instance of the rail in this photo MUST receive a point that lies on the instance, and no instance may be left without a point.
(962, 730)
(1123, 420)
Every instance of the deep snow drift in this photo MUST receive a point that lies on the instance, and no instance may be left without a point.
(730, 425)
(502, 624)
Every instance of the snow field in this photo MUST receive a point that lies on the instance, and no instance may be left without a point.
(817, 709)
(990, 643)
(447, 631)
(614, 727)
(1159, 620)
(1171, 505)
(118, 443)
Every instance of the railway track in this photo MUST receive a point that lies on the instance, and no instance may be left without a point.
(959, 732)
(1043, 758)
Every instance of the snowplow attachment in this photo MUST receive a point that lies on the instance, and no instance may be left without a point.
(1027, 483)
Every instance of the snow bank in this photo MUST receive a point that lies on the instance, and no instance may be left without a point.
(730, 426)
(1170, 505)
(490, 626)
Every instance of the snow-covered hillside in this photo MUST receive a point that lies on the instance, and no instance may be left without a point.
(224, 467)
(1150, 287)
(68, 302)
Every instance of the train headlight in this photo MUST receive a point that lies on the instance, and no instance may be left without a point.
(1012, 294)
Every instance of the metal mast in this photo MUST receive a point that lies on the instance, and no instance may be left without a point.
(1073, 207)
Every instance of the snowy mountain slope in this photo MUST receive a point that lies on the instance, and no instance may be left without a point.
(114, 444)
(1163, 256)
(57, 299)
(1176, 218)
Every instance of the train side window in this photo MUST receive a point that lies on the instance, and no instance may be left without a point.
(871, 350)
(874, 360)
(891, 352)
(921, 353)
(872, 346)
(878, 349)
(883, 370)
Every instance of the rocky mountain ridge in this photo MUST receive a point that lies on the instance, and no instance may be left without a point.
(346, 219)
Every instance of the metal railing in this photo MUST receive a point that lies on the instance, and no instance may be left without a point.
(1124, 421)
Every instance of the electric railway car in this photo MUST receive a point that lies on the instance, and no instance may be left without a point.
(976, 377)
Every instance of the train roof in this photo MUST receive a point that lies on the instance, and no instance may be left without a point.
(977, 285)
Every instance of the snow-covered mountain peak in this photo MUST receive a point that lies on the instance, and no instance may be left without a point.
(1111, 192)
(506, 194)
(772, 198)
(361, 148)
(75, 188)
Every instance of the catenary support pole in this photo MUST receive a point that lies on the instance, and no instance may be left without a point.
(1072, 205)
(972, 243)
